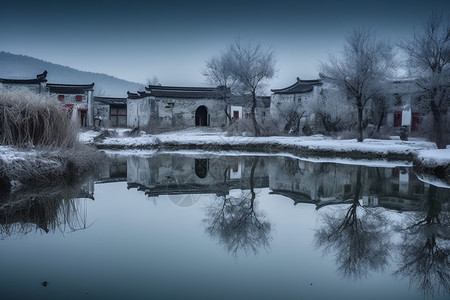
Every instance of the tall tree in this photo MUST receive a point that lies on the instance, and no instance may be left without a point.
(365, 63)
(251, 66)
(218, 73)
(429, 56)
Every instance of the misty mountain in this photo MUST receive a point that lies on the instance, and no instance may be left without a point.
(23, 67)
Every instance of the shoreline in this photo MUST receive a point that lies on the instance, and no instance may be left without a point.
(421, 154)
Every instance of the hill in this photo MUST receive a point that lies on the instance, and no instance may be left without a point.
(21, 66)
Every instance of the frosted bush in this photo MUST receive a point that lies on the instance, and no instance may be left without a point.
(30, 119)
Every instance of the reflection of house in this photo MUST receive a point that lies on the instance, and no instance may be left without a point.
(320, 184)
(311, 182)
(76, 97)
(324, 184)
(169, 174)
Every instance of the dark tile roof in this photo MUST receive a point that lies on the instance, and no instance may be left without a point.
(57, 88)
(138, 95)
(39, 79)
(111, 101)
(301, 86)
(183, 92)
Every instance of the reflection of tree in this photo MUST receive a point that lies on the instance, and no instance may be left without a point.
(236, 222)
(47, 209)
(357, 236)
(425, 249)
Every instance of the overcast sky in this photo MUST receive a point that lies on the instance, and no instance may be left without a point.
(136, 40)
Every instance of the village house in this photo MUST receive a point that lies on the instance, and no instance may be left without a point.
(403, 100)
(78, 98)
(37, 84)
(295, 98)
(162, 108)
(402, 107)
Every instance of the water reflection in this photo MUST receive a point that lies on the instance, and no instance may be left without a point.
(354, 206)
(47, 209)
(236, 221)
(425, 247)
(352, 202)
(357, 235)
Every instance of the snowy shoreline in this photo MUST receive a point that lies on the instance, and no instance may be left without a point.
(420, 153)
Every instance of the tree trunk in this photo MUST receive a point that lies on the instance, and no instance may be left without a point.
(253, 114)
(437, 126)
(380, 121)
(227, 114)
(360, 120)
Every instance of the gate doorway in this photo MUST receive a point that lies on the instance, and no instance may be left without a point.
(201, 116)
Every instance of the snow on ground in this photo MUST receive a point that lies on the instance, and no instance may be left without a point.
(432, 158)
(213, 136)
(424, 151)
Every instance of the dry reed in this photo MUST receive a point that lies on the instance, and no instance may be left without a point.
(31, 119)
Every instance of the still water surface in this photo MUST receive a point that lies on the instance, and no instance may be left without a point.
(202, 226)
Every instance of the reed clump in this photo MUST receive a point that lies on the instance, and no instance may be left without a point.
(31, 119)
(44, 139)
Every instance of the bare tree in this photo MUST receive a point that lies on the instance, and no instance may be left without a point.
(153, 81)
(291, 114)
(365, 63)
(331, 109)
(218, 73)
(251, 66)
(429, 56)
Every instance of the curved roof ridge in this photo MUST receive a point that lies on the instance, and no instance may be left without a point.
(300, 86)
(39, 78)
(179, 88)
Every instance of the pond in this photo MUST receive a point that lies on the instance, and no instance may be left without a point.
(198, 225)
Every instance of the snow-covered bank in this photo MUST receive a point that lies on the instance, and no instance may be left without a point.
(44, 166)
(313, 146)
(434, 164)
(435, 157)
(423, 153)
